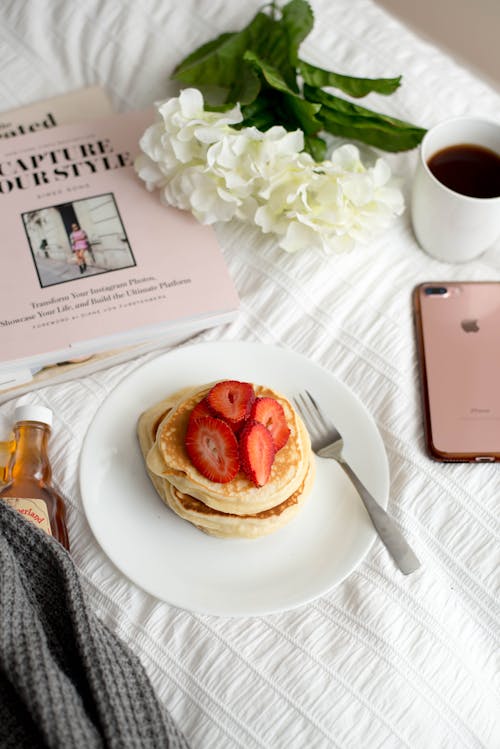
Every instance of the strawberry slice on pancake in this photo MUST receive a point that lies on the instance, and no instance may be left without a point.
(213, 448)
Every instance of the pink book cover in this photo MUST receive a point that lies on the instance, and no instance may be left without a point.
(90, 259)
(75, 106)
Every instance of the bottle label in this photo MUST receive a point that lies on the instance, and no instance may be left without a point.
(34, 510)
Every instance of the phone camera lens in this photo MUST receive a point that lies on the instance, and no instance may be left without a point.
(436, 290)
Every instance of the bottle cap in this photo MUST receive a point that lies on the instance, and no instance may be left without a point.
(33, 413)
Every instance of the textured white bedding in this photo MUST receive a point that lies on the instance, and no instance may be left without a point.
(382, 660)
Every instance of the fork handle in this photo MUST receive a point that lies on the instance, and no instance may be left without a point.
(389, 533)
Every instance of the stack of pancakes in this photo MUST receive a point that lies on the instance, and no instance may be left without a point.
(238, 508)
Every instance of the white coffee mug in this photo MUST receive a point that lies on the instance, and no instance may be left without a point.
(448, 225)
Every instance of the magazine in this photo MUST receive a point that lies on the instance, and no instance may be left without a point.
(91, 261)
(77, 106)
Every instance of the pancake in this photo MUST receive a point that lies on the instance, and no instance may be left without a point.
(208, 519)
(168, 459)
(225, 525)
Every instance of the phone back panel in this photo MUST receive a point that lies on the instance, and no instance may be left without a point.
(458, 333)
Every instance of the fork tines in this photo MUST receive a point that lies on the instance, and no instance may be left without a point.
(314, 418)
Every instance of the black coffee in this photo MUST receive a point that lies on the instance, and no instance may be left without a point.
(468, 169)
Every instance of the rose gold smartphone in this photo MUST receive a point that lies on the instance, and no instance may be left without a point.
(458, 342)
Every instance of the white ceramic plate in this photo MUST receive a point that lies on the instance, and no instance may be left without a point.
(177, 563)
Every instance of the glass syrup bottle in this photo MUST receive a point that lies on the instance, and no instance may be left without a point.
(28, 475)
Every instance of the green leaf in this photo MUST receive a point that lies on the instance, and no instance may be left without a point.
(201, 53)
(262, 113)
(316, 146)
(245, 88)
(298, 20)
(356, 87)
(220, 62)
(343, 118)
(274, 48)
(299, 112)
(280, 45)
(258, 67)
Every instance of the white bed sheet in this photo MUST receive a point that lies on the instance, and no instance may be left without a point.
(382, 660)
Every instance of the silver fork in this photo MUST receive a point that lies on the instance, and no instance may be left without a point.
(327, 442)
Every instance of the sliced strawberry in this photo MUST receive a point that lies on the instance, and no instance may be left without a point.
(200, 410)
(212, 448)
(269, 412)
(231, 400)
(256, 452)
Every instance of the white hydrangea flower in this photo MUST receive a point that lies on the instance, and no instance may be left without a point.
(196, 190)
(189, 127)
(201, 163)
(331, 205)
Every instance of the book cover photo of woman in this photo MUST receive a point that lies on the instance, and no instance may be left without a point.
(77, 239)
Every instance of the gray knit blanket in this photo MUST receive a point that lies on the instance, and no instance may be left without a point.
(66, 681)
